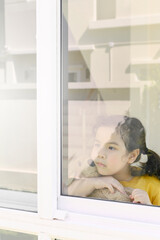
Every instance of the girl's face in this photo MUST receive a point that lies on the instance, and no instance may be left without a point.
(109, 152)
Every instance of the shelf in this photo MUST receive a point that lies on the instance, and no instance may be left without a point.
(18, 1)
(18, 86)
(120, 84)
(20, 52)
(145, 61)
(125, 22)
(81, 48)
(6, 170)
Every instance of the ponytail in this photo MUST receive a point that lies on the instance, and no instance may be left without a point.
(148, 162)
(152, 166)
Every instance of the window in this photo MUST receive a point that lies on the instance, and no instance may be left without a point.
(18, 165)
(120, 52)
(62, 216)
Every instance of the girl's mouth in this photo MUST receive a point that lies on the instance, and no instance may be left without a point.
(99, 164)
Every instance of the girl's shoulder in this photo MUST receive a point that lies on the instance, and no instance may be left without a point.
(150, 179)
(142, 182)
(149, 183)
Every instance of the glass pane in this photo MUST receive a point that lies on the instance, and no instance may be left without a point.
(18, 95)
(9, 235)
(111, 100)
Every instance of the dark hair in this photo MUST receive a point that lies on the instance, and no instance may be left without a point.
(133, 135)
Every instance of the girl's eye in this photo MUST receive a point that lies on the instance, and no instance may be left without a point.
(111, 148)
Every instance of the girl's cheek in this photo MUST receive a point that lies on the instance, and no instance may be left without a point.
(124, 159)
(113, 159)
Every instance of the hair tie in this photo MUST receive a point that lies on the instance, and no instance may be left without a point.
(143, 159)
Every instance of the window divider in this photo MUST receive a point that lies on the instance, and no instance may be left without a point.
(47, 107)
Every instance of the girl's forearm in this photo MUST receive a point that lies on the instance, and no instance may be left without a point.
(81, 187)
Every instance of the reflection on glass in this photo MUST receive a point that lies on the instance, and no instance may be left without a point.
(111, 62)
(18, 95)
(9, 235)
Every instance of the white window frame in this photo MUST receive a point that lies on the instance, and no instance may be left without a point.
(123, 211)
(58, 216)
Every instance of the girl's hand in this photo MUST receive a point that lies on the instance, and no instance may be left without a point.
(85, 186)
(108, 182)
(140, 196)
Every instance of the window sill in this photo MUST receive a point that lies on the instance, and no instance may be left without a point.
(78, 226)
(110, 209)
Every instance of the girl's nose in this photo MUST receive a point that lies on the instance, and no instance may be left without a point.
(101, 155)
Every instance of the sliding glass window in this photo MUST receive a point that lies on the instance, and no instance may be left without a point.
(17, 100)
(111, 100)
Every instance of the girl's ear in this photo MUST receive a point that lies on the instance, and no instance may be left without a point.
(133, 155)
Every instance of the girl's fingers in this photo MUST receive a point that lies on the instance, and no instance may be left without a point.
(110, 183)
(137, 194)
(136, 202)
(111, 189)
(140, 196)
(131, 197)
(120, 188)
(135, 191)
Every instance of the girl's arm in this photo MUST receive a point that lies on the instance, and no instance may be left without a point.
(84, 187)
(81, 187)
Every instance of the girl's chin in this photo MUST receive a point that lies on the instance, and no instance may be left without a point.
(102, 171)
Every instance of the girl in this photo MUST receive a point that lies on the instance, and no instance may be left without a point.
(122, 160)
